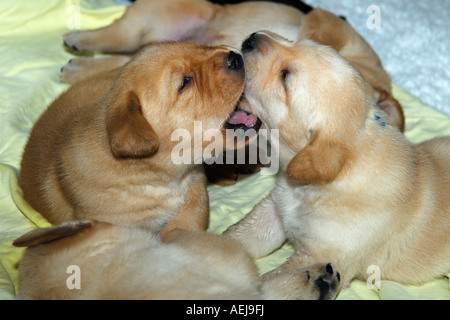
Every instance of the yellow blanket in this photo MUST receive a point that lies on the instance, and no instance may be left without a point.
(31, 54)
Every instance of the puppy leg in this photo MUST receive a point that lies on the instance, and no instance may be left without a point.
(122, 36)
(301, 277)
(82, 68)
(294, 280)
(194, 213)
(261, 231)
(144, 22)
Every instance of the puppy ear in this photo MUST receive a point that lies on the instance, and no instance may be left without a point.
(393, 108)
(44, 235)
(319, 162)
(130, 134)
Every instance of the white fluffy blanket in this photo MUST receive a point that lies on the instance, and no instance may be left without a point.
(413, 42)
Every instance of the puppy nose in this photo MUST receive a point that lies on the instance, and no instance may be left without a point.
(235, 61)
(249, 44)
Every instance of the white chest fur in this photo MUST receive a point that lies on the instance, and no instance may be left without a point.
(317, 220)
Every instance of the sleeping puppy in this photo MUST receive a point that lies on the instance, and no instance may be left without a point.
(353, 191)
(205, 23)
(104, 149)
(191, 265)
(85, 260)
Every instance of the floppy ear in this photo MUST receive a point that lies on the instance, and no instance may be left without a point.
(392, 107)
(44, 235)
(319, 162)
(130, 134)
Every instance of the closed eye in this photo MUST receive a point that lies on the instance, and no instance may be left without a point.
(186, 81)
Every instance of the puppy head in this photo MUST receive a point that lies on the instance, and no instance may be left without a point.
(314, 97)
(168, 87)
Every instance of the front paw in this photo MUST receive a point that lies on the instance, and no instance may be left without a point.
(76, 70)
(316, 282)
(324, 280)
(76, 42)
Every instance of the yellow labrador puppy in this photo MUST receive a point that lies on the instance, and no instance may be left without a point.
(206, 23)
(97, 260)
(104, 149)
(353, 191)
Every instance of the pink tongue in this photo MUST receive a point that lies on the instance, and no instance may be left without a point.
(241, 117)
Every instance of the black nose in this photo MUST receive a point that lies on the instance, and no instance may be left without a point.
(235, 61)
(249, 44)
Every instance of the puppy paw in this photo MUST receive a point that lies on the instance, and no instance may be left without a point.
(325, 280)
(76, 42)
(76, 69)
(315, 282)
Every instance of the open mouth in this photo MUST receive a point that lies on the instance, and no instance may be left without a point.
(243, 120)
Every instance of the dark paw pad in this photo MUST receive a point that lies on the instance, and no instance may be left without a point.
(328, 282)
(71, 47)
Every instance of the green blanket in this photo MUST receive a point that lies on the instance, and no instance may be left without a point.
(31, 55)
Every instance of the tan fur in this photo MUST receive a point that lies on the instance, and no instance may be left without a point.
(102, 150)
(121, 262)
(353, 191)
(202, 22)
